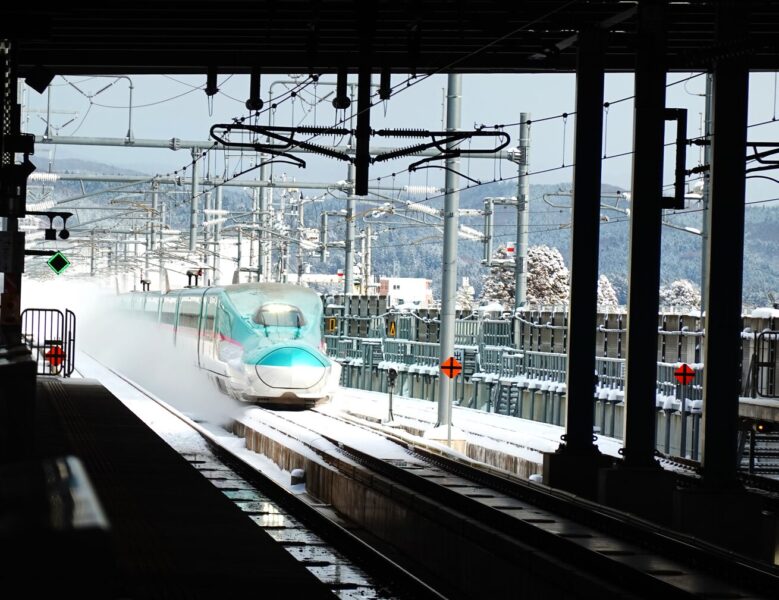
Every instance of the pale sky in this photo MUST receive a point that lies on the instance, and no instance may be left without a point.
(166, 107)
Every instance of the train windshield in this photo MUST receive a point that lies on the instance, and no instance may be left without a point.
(279, 312)
(279, 315)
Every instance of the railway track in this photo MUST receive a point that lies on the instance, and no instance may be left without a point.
(765, 480)
(572, 548)
(601, 550)
(316, 537)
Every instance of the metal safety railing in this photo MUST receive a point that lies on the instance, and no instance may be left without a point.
(50, 335)
(518, 365)
(765, 359)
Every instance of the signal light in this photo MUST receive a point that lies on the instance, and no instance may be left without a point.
(764, 426)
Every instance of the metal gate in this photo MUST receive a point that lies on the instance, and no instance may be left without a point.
(51, 337)
(765, 374)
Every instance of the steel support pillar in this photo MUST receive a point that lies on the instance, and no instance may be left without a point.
(362, 156)
(575, 464)
(583, 311)
(725, 252)
(17, 368)
(743, 526)
(638, 484)
(12, 203)
(645, 238)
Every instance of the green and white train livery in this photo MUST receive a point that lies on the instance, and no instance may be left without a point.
(259, 342)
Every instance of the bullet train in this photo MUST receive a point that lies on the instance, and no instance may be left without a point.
(260, 343)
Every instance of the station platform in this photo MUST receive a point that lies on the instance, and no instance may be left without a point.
(106, 509)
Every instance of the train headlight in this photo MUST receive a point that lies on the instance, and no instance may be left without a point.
(291, 357)
(291, 367)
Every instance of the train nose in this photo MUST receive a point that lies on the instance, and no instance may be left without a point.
(291, 367)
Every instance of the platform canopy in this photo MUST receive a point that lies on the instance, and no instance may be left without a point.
(318, 36)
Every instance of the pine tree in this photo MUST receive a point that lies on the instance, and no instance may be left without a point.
(465, 299)
(607, 295)
(498, 285)
(547, 276)
(681, 292)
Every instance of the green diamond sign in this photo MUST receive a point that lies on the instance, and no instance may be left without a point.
(58, 263)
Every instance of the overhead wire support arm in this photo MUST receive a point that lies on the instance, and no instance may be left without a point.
(439, 140)
(680, 116)
(760, 156)
(284, 135)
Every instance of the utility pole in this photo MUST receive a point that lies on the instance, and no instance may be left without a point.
(207, 235)
(218, 237)
(238, 256)
(523, 212)
(368, 250)
(449, 275)
(92, 253)
(349, 240)
(300, 240)
(195, 200)
(255, 226)
(266, 244)
(47, 131)
(260, 204)
(350, 225)
(159, 243)
(155, 207)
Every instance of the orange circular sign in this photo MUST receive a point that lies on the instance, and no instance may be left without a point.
(451, 367)
(55, 356)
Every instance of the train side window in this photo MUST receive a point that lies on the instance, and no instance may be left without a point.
(209, 315)
(224, 322)
(150, 308)
(136, 302)
(207, 324)
(189, 312)
(228, 349)
(168, 314)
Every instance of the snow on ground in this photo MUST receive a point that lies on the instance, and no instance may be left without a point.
(304, 425)
(163, 419)
(522, 437)
(157, 369)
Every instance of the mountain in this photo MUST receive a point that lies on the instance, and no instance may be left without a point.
(77, 165)
(409, 243)
(410, 249)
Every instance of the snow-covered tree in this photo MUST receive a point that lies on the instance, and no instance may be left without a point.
(607, 295)
(499, 282)
(547, 276)
(681, 292)
(464, 299)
